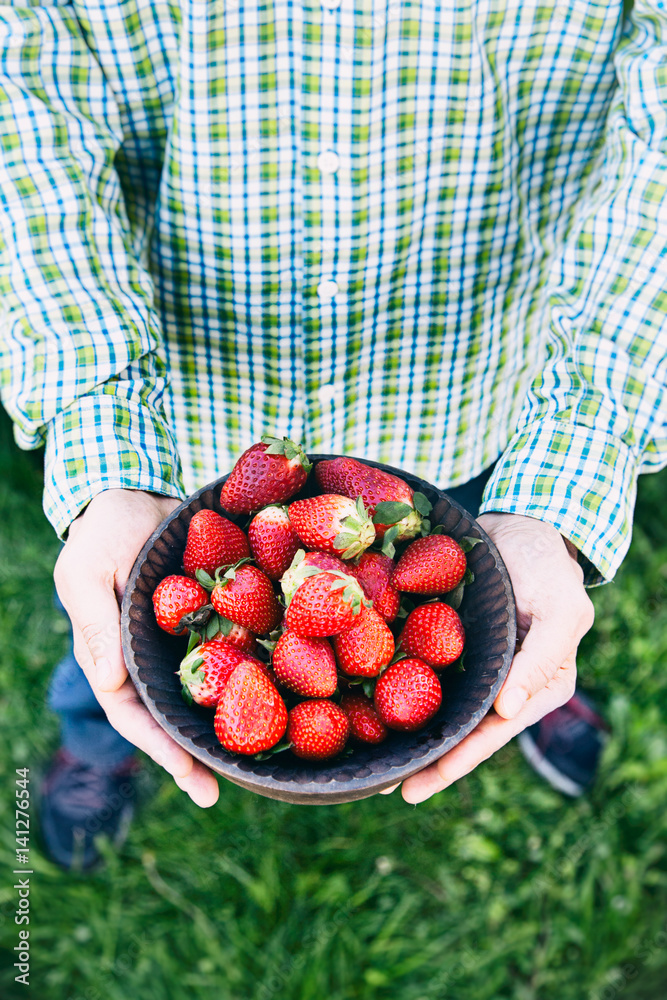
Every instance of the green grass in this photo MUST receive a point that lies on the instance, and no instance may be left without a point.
(498, 888)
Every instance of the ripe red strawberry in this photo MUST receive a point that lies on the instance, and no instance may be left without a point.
(251, 716)
(273, 541)
(174, 597)
(324, 604)
(373, 572)
(333, 524)
(317, 729)
(268, 472)
(239, 637)
(352, 478)
(305, 666)
(407, 695)
(431, 565)
(204, 672)
(365, 724)
(366, 647)
(213, 541)
(301, 568)
(245, 595)
(434, 633)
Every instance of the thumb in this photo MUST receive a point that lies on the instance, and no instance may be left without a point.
(545, 648)
(95, 616)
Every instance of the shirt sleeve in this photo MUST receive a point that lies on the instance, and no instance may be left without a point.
(81, 361)
(595, 416)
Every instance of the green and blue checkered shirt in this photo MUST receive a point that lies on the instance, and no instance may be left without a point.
(428, 233)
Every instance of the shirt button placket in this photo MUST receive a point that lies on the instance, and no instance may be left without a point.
(325, 391)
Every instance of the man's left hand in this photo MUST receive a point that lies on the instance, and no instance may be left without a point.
(554, 612)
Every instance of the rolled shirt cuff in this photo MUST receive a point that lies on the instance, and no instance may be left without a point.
(103, 442)
(581, 480)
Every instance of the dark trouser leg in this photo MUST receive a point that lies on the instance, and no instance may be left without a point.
(469, 494)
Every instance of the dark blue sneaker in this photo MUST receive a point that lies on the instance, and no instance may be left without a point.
(80, 802)
(564, 747)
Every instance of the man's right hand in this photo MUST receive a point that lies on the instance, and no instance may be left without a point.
(90, 576)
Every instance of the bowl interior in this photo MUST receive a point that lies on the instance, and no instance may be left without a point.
(153, 656)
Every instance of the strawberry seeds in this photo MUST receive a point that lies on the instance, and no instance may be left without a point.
(302, 635)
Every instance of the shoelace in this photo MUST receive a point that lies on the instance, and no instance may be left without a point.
(87, 787)
(564, 725)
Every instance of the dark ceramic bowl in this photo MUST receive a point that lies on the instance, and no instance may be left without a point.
(153, 656)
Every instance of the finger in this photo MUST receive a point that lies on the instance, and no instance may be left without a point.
(548, 644)
(95, 616)
(201, 785)
(388, 791)
(127, 714)
(101, 675)
(129, 717)
(491, 734)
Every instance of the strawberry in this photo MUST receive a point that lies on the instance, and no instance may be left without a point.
(206, 669)
(353, 479)
(373, 572)
(268, 472)
(431, 565)
(301, 569)
(305, 666)
(237, 636)
(434, 633)
(365, 724)
(273, 541)
(175, 597)
(366, 647)
(333, 524)
(317, 729)
(213, 541)
(251, 716)
(245, 595)
(407, 695)
(324, 604)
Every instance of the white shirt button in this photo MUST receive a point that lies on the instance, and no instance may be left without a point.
(329, 393)
(328, 162)
(331, 4)
(327, 289)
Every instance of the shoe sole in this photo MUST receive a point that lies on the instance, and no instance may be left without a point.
(546, 769)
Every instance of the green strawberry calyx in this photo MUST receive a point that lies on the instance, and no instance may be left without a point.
(351, 592)
(270, 643)
(367, 685)
(190, 669)
(196, 621)
(299, 571)
(288, 448)
(278, 748)
(390, 536)
(225, 574)
(293, 577)
(205, 624)
(205, 579)
(357, 534)
(408, 519)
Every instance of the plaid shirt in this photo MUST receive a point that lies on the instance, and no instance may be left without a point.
(429, 233)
